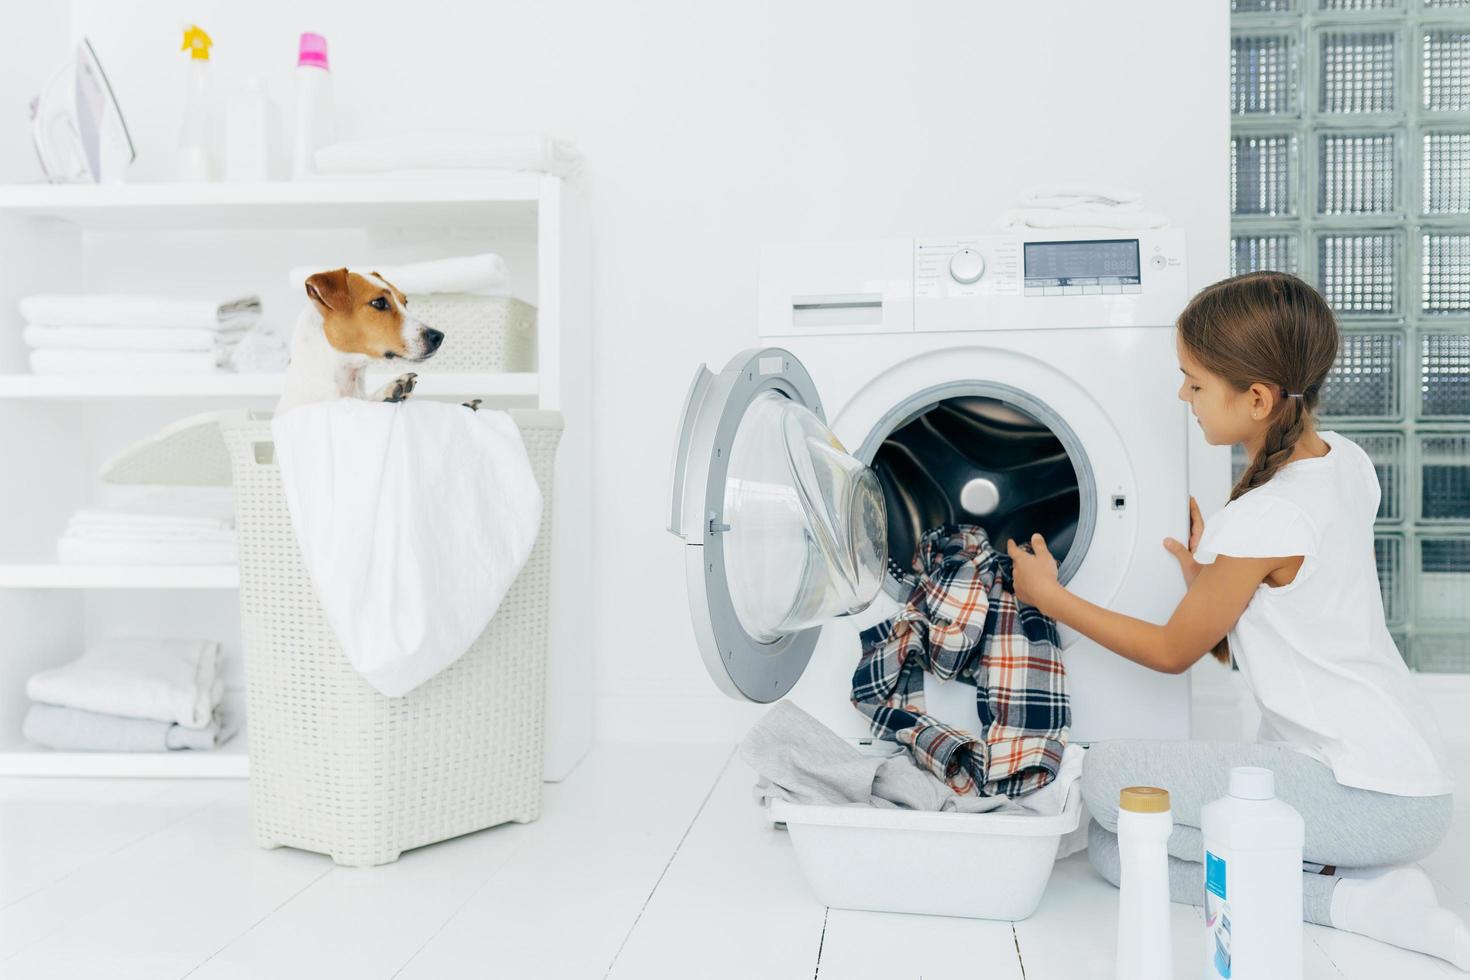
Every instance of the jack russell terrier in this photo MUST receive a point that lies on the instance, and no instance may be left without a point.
(351, 320)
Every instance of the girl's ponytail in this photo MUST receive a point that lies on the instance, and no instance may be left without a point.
(1287, 428)
(1264, 328)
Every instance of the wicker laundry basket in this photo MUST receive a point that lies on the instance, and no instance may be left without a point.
(335, 766)
(481, 333)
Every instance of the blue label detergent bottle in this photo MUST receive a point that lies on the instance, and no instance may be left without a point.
(1253, 882)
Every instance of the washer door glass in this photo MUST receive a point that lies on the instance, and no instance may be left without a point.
(785, 529)
(808, 531)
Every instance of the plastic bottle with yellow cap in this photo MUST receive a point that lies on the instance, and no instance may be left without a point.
(1145, 948)
(194, 137)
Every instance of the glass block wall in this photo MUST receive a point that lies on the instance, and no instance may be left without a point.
(1350, 166)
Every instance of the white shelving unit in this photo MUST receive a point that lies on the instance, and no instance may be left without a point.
(230, 239)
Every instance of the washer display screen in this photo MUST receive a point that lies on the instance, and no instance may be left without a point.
(1062, 262)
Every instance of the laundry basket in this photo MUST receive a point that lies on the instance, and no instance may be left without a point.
(335, 766)
(481, 333)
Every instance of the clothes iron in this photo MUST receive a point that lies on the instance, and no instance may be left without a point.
(77, 125)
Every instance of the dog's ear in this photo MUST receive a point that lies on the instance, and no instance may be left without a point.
(328, 290)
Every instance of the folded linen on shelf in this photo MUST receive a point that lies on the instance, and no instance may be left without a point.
(258, 351)
(210, 507)
(131, 310)
(164, 524)
(76, 730)
(451, 150)
(135, 677)
(61, 361)
(75, 549)
(484, 274)
(44, 337)
(158, 529)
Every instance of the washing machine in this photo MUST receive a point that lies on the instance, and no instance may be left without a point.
(1022, 381)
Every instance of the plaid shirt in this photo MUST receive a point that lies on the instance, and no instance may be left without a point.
(962, 621)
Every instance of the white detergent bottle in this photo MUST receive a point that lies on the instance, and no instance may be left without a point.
(1145, 947)
(194, 141)
(313, 104)
(1253, 882)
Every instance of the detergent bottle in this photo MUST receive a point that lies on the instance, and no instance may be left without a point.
(1145, 946)
(313, 104)
(194, 149)
(1253, 882)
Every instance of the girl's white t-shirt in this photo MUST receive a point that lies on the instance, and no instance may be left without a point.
(1316, 653)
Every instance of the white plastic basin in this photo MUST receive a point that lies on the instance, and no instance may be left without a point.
(972, 865)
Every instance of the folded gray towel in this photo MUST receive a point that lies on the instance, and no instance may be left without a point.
(75, 730)
(800, 760)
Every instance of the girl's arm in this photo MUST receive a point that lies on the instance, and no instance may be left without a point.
(1218, 594)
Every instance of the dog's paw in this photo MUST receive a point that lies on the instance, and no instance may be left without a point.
(473, 404)
(399, 388)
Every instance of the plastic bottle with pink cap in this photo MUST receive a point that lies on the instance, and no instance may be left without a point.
(313, 104)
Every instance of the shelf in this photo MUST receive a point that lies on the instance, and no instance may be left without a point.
(505, 200)
(58, 576)
(227, 385)
(231, 761)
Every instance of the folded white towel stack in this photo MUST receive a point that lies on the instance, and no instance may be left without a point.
(164, 680)
(162, 529)
(1081, 206)
(461, 150)
(483, 275)
(132, 334)
(132, 694)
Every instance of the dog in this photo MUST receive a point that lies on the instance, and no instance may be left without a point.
(350, 320)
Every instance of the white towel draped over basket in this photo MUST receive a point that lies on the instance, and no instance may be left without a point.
(413, 521)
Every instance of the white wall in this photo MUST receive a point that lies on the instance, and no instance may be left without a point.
(710, 128)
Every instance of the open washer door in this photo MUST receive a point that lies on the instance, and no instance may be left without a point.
(785, 530)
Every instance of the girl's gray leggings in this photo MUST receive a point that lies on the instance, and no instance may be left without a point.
(1346, 827)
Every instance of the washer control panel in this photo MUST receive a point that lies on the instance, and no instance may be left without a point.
(1017, 279)
(1081, 267)
(980, 266)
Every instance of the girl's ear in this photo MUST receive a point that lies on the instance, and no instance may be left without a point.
(1262, 401)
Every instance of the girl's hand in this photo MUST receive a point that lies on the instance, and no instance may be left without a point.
(1187, 565)
(1034, 572)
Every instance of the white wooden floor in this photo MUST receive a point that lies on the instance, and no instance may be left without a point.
(651, 861)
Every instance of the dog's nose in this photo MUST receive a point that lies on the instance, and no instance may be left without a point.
(433, 338)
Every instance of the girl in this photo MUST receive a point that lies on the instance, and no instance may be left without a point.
(1287, 570)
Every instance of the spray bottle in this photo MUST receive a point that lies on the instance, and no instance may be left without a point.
(194, 162)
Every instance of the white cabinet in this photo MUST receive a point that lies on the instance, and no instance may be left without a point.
(204, 239)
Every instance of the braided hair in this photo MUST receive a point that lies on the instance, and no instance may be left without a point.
(1266, 328)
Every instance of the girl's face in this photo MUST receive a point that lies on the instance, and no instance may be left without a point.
(1226, 415)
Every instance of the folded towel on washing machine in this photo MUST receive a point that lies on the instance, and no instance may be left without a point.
(962, 622)
(414, 519)
(1081, 206)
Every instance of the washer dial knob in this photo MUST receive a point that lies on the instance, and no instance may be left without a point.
(967, 266)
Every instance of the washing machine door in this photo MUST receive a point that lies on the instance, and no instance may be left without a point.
(784, 530)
